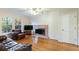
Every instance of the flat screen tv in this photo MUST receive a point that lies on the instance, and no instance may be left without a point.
(40, 31)
(28, 27)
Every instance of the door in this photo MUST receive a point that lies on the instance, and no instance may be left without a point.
(73, 28)
(69, 28)
(78, 25)
(65, 28)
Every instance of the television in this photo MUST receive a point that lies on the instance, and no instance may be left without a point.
(40, 31)
(28, 27)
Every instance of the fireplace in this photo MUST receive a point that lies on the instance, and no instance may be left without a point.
(40, 31)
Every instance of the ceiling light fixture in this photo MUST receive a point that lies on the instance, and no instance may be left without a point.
(36, 11)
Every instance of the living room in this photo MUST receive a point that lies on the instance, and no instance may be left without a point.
(39, 29)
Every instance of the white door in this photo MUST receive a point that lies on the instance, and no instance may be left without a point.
(65, 28)
(73, 28)
(69, 28)
(78, 26)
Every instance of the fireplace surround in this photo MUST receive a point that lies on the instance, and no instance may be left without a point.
(41, 30)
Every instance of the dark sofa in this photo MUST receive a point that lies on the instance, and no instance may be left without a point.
(7, 44)
(16, 34)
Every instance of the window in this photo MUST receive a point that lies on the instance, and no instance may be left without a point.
(6, 24)
(17, 23)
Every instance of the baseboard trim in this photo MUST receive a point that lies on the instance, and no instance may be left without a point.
(65, 43)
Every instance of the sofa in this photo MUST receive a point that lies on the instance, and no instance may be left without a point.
(16, 34)
(8, 44)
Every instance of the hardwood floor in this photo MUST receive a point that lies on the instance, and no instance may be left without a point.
(49, 45)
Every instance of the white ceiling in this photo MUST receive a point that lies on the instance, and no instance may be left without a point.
(25, 11)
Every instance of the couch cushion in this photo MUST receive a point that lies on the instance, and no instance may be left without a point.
(16, 47)
(2, 47)
(8, 43)
(2, 37)
(13, 35)
(7, 40)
